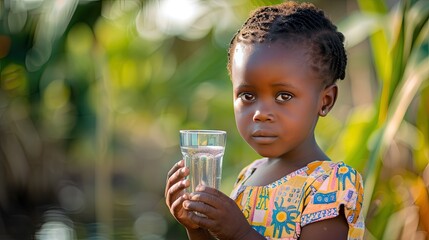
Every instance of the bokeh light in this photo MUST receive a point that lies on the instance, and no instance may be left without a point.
(93, 94)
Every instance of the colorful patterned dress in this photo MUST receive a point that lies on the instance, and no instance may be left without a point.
(313, 193)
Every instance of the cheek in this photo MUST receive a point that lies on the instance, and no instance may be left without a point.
(238, 115)
(238, 109)
(241, 125)
(241, 118)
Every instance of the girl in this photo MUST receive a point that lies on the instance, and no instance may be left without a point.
(284, 63)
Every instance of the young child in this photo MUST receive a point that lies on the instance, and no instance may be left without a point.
(284, 63)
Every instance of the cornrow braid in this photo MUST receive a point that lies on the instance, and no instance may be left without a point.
(301, 22)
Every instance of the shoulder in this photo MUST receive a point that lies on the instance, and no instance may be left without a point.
(336, 179)
(326, 167)
(335, 185)
(346, 177)
(335, 171)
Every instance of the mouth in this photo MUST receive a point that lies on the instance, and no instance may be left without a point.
(263, 137)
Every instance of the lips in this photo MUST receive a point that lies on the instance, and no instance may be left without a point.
(263, 137)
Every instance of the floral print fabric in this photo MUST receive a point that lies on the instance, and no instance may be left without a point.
(279, 210)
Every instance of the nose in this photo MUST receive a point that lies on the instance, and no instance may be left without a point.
(263, 113)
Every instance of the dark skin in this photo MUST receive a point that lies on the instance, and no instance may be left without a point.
(278, 99)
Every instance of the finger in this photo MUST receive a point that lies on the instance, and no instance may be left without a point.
(176, 166)
(176, 189)
(176, 209)
(199, 207)
(211, 195)
(207, 198)
(209, 190)
(201, 221)
(177, 205)
(177, 176)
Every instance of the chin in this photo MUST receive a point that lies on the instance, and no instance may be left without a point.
(265, 150)
(267, 153)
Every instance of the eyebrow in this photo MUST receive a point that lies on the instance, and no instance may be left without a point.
(282, 85)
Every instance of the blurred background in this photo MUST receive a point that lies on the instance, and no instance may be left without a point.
(93, 94)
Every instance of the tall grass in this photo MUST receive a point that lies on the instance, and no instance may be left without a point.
(396, 157)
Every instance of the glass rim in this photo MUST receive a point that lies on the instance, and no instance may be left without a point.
(203, 131)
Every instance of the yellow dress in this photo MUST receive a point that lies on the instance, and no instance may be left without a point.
(313, 193)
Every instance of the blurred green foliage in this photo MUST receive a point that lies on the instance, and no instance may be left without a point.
(93, 94)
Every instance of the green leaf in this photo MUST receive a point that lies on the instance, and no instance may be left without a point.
(359, 26)
(375, 6)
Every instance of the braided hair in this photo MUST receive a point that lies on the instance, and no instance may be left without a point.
(303, 22)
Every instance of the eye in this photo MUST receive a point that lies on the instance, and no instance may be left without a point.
(283, 97)
(246, 97)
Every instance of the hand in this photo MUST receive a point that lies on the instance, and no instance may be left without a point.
(223, 218)
(175, 194)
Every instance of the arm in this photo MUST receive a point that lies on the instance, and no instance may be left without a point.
(329, 229)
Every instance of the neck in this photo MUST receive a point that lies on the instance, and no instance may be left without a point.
(302, 155)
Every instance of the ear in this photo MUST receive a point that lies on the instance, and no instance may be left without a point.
(329, 96)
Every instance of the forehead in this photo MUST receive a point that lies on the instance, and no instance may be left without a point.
(284, 58)
(275, 49)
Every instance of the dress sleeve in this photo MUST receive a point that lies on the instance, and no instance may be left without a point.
(340, 187)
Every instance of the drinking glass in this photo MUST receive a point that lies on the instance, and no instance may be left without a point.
(203, 152)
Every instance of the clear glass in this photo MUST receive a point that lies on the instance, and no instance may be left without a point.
(203, 152)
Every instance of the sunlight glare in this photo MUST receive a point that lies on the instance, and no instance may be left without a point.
(176, 16)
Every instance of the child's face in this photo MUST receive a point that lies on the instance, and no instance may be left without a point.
(277, 98)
